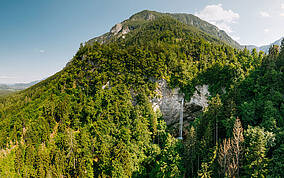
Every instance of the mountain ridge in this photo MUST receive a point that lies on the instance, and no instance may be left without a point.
(18, 86)
(121, 29)
(264, 48)
(10, 88)
(106, 114)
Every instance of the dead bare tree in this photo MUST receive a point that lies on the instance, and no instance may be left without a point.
(238, 140)
(230, 152)
(224, 155)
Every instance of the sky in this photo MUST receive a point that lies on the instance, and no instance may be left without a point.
(38, 38)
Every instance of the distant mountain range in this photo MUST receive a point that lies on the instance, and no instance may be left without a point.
(17, 86)
(264, 48)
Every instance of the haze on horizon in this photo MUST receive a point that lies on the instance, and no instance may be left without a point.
(38, 38)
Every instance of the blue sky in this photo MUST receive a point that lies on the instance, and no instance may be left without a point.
(37, 38)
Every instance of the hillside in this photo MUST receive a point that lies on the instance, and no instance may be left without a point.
(5, 92)
(108, 112)
(206, 27)
(135, 21)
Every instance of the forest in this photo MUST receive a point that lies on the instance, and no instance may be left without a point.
(95, 118)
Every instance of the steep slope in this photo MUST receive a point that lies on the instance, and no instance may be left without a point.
(135, 21)
(96, 117)
(206, 27)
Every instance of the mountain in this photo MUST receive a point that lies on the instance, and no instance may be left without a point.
(264, 48)
(135, 21)
(18, 86)
(206, 27)
(115, 109)
(9, 88)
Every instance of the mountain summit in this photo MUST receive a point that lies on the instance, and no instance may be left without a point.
(138, 19)
(118, 107)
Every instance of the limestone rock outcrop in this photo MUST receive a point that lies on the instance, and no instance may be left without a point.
(116, 29)
(168, 101)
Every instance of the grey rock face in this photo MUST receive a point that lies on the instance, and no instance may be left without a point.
(200, 96)
(150, 17)
(116, 29)
(125, 30)
(168, 101)
(119, 30)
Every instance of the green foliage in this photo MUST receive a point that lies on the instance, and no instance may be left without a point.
(206, 167)
(256, 143)
(95, 118)
(7, 165)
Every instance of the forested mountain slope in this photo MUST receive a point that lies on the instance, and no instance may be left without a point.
(95, 117)
(139, 19)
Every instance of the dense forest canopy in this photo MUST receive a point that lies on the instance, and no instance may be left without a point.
(95, 118)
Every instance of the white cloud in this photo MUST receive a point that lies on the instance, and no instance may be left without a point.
(216, 13)
(282, 14)
(264, 14)
(282, 6)
(222, 18)
(42, 51)
(6, 77)
(266, 30)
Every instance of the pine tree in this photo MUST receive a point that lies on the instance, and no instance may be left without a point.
(191, 151)
(280, 62)
(274, 51)
(256, 143)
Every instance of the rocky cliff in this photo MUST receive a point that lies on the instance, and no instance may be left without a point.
(168, 102)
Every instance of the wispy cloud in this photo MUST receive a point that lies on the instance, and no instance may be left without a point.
(6, 77)
(264, 14)
(266, 30)
(282, 7)
(220, 17)
(42, 51)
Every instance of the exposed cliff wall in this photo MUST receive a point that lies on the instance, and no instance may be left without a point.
(168, 101)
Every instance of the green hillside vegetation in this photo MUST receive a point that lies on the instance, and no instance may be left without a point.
(206, 27)
(139, 19)
(5, 92)
(95, 119)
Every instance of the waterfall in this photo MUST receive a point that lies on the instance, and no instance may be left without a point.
(181, 120)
